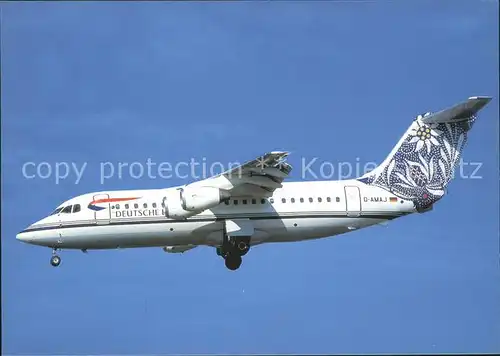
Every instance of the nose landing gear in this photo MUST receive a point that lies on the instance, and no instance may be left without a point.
(55, 260)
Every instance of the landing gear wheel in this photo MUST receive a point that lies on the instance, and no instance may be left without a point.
(55, 261)
(243, 248)
(233, 262)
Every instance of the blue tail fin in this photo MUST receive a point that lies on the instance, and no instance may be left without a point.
(422, 163)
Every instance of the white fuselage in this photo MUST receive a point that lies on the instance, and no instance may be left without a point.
(297, 211)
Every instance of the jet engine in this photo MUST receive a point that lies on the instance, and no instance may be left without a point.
(185, 202)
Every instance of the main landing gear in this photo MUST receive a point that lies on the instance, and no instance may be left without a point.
(55, 260)
(232, 249)
(233, 262)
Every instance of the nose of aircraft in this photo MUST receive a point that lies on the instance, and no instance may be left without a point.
(23, 236)
(26, 235)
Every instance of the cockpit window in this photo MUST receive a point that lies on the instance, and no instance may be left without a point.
(67, 209)
(76, 208)
(57, 211)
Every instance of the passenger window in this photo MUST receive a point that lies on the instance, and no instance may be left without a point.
(244, 201)
(76, 208)
(337, 199)
(126, 206)
(283, 200)
(226, 202)
(328, 199)
(117, 206)
(301, 200)
(310, 200)
(145, 205)
(136, 206)
(235, 201)
(320, 200)
(67, 209)
(154, 205)
(254, 201)
(263, 201)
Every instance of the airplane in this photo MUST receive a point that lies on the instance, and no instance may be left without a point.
(252, 204)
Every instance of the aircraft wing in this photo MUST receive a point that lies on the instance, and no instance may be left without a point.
(258, 177)
(458, 112)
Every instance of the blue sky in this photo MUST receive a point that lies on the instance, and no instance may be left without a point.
(124, 82)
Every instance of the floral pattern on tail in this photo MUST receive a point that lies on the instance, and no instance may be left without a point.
(424, 163)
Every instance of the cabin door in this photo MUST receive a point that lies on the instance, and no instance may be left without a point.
(101, 207)
(353, 201)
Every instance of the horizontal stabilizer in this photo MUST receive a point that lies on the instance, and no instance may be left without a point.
(458, 112)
